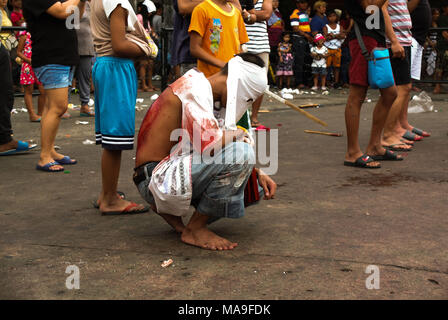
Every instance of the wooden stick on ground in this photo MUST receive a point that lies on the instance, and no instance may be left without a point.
(325, 133)
(289, 104)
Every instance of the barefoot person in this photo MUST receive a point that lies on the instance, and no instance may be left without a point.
(55, 53)
(171, 178)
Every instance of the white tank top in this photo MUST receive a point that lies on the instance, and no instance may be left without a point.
(334, 43)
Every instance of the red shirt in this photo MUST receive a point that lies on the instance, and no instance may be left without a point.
(16, 17)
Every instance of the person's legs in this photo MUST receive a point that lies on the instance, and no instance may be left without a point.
(56, 106)
(6, 102)
(380, 114)
(115, 83)
(316, 81)
(143, 66)
(218, 191)
(323, 80)
(83, 72)
(29, 102)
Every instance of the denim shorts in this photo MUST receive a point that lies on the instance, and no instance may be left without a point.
(55, 76)
(218, 189)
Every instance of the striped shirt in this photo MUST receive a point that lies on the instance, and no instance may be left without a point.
(401, 21)
(258, 34)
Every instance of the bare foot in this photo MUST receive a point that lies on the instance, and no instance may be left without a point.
(44, 161)
(394, 140)
(353, 157)
(8, 146)
(173, 221)
(206, 239)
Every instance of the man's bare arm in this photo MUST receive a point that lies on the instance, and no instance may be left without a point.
(63, 10)
(412, 4)
(186, 6)
(197, 51)
(266, 11)
(397, 49)
(122, 46)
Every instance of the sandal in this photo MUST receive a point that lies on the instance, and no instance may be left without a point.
(362, 162)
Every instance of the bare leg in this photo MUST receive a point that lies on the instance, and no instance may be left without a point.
(392, 128)
(323, 80)
(255, 107)
(56, 106)
(288, 81)
(336, 75)
(29, 102)
(280, 82)
(380, 114)
(197, 234)
(110, 169)
(356, 97)
(316, 80)
(142, 73)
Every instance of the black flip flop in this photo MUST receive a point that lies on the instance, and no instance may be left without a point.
(408, 135)
(420, 132)
(388, 156)
(120, 193)
(362, 162)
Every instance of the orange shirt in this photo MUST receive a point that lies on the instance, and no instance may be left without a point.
(222, 33)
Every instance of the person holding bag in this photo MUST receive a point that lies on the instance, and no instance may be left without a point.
(359, 83)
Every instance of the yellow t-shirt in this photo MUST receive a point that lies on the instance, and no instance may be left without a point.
(222, 33)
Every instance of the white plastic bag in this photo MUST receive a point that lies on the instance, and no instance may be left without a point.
(421, 103)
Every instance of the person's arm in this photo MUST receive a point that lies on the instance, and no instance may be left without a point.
(397, 49)
(266, 11)
(325, 31)
(341, 34)
(121, 46)
(378, 3)
(60, 10)
(269, 186)
(20, 47)
(412, 4)
(197, 51)
(186, 6)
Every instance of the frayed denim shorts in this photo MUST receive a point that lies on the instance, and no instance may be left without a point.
(55, 76)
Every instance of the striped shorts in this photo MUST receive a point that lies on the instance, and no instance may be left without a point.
(115, 82)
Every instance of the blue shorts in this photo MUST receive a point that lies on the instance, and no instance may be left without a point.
(55, 76)
(115, 82)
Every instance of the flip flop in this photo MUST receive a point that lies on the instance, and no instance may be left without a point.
(362, 162)
(411, 136)
(66, 160)
(127, 210)
(420, 132)
(47, 167)
(393, 147)
(388, 156)
(37, 120)
(21, 147)
(406, 142)
(120, 193)
(262, 127)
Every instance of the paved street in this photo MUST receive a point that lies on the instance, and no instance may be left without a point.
(327, 224)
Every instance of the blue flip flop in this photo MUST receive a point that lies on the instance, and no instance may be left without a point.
(66, 160)
(47, 167)
(21, 147)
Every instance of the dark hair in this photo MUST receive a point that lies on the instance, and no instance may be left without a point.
(284, 33)
(330, 12)
(246, 56)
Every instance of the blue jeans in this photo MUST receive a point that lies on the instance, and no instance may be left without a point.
(218, 189)
(55, 76)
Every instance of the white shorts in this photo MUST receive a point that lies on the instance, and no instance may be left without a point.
(416, 59)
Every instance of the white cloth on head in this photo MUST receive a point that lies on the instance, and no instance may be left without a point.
(246, 82)
(150, 5)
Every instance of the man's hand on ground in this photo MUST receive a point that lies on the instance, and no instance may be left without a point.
(268, 185)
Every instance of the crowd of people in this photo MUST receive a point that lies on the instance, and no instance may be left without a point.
(221, 52)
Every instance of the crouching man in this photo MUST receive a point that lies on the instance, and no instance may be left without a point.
(208, 165)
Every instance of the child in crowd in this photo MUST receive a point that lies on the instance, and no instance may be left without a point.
(17, 14)
(217, 32)
(28, 78)
(334, 33)
(145, 67)
(286, 61)
(319, 53)
(118, 38)
(276, 26)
